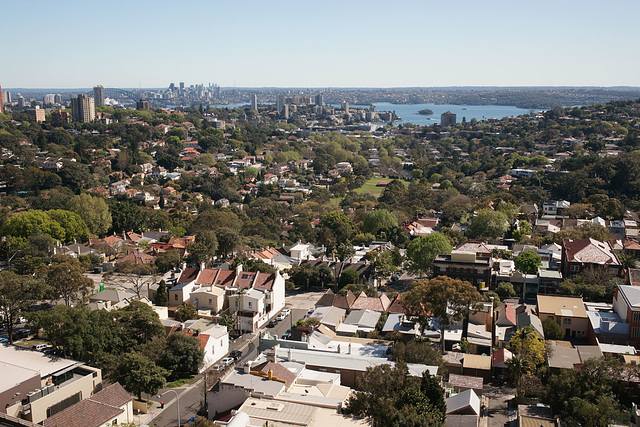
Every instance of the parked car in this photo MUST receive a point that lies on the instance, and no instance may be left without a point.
(272, 324)
(236, 354)
(227, 361)
(310, 312)
(286, 335)
(283, 314)
(40, 347)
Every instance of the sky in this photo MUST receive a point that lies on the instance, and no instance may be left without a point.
(322, 43)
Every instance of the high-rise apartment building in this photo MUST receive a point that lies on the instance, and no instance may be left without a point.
(1, 100)
(6, 97)
(280, 101)
(83, 109)
(21, 101)
(345, 106)
(320, 99)
(57, 99)
(98, 96)
(447, 119)
(143, 104)
(49, 98)
(181, 86)
(254, 102)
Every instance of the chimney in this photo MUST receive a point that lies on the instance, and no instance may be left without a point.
(247, 367)
(289, 355)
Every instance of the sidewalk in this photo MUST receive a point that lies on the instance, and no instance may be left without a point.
(154, 410)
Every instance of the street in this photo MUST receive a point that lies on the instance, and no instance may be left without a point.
(192, 395)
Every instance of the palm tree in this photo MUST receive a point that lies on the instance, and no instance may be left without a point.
(627, 260)
(518, 368)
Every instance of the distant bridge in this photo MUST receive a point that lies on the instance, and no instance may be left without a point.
(117, 94)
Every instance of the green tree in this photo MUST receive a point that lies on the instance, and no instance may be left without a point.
(166, 261)
(487, 224)
(228, 239)
(126, 216)
(94, 211)
(422, 251)
(204, 248)
(306, 274)
(552, 331)
(17, 293)
(31, 223)
(445, 299)
(139, 322)
(379, 219)
(186, 312)
(505, 290)
(65, 279)
(347, 277)
(182, 355)
(528, 355)
(136, 275)
(527, 263)
(138, 374)
(162, 295)
(75, 228)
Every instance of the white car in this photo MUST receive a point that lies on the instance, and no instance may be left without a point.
(227, 361)
(283, 314)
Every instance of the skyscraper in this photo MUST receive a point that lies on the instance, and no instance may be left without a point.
(83, 109)
(181, 86)
(280, 103)
(98, 96)
(254, 102)
(143, 104)
(447, 119)
(1, 101)
(345, 106)
(320, 99)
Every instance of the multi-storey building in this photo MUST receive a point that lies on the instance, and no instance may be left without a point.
(447, 118)
(98, 95)
(82, 109)
(464, 265)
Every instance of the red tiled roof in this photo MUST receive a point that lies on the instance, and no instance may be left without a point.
(225, 278)
(245, 279)
(207, 276)
(264, 281)
(114, 395)
(589, 251)
(396, 305)
(188, 275)
(278, 371)
(363, 302)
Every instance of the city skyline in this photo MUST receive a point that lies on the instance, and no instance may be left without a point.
(332, 44)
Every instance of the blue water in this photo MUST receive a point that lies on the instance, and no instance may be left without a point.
(409, 112)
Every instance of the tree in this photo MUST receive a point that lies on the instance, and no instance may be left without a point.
(136, 275)
(162, 295)
(528, 354)
(417, 352)
(505, 290)
(166, 261)
(445, 299)
(527, 263)
(306, 275)
(347, 277)
(17, 293)
(94, 211)
(422, 251)
(488, 224)
(392, 398)
(379, 219)
(182, 355)
(126, 216)
(75, 228)
(64, 279)
(139, 322)
(204, 248)
(33, 222)
(138, 374)
(228, 239)
(552, 331)
(186, 312)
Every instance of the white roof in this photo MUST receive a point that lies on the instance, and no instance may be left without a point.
(467, 398)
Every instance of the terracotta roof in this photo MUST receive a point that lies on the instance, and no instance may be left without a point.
(138, 258)
(396, 305)
(207, 276)
(245, 279)
(92, 412)
(589, 251)
(264, 281)
(363, 302)
(188, 275)
(506, 316)
(225, 278)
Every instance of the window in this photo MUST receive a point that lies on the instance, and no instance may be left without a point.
(636, 317)
(249, 303)
(574, 267)
(635, 332)
(175, 297)
(210, 300)
(566, 321)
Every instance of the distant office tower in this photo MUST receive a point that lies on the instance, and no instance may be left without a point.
(254, 102)
(345, 106)
(21, 101)
(6, 97)
(57, 99)
(286, 111)
(83, 109)
(280, 103)
(447, 119)
(98, 96)
(172, 87)
(143, 104)
(320, 99)
(49, 98)
(181, 86)
(1, 100)
(373, 108)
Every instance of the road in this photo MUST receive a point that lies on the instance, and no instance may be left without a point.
(192, 395)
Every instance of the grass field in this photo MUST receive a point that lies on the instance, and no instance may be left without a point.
(371, 188)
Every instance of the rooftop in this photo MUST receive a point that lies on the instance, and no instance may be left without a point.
(561, 306)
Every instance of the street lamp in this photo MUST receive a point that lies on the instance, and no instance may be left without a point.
(177, 402)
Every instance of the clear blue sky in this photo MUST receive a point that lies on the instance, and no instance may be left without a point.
(303, 43)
